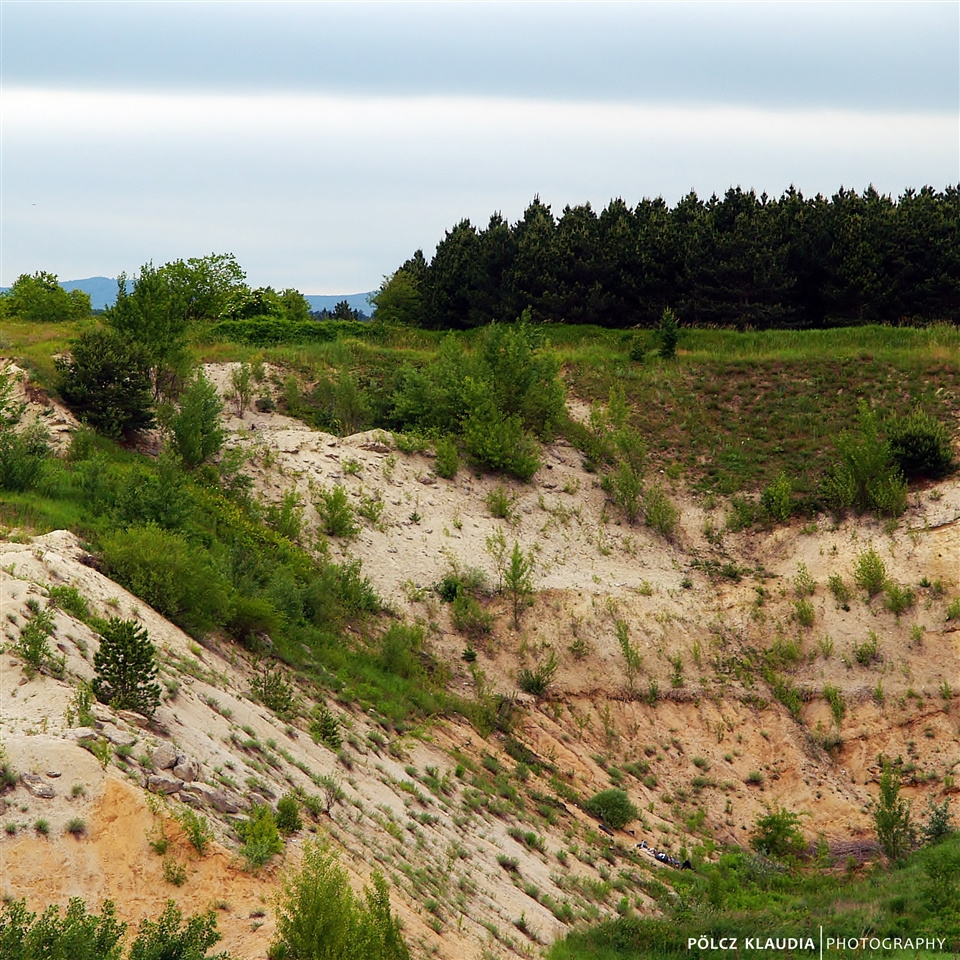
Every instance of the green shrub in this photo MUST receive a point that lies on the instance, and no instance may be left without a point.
(195, 431)
(840, 591)
(776, 501)
(168, 938)
(320, 917)
(288, 814)
(866, 476)
(869, 572)
(107, 383)
(22, 455)
(626, 486)
(613, 807)
(897, 599)
(171, 574)
(661, 514)
(470, 618)
(867, 652)
(72, 935)
(261, 839)
(537, 679)
(668, 334)
(33, 647)
(804, 613)
(834, 697)
(447, 462)
(337, 517)
(921, 445)
(197, 829)
(777, 834)
(953, 609)
(500, 442)
(126, 668)
(891, 815)
(499, 503)
(325, 727)
(275, 692)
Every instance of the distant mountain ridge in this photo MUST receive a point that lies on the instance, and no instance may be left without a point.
(103, 293)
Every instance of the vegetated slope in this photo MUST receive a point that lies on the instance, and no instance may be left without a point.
(708, 675)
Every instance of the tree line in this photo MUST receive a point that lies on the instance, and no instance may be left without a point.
(743, 261)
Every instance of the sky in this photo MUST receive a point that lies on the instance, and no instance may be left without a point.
(323, 143)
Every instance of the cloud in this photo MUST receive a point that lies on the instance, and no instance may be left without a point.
(876, 56)
(328, 192)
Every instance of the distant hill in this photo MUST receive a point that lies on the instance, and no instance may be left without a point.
(101, 290)
(357, 301)
(103, 293)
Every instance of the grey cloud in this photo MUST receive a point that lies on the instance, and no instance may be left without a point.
(879, 56)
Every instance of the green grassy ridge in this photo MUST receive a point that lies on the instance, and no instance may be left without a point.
(742, 895)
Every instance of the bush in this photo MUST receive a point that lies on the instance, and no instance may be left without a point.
(867, 476)
(261, 839)
(168, 938)
(921, 445)
(325, 727)
(74, 935)
(337, 517)
(275, 692)
(22, 454)
(126, 668)
(891, 815)
(197, 829)
(536, 680)
(448, 458)
(777, 499)
(32, 645)
(661, 514)
(897, 599)
(668, 334)
(612, 807)
(288, 814)
(869, 572)
(320, 917)
(169, 573)
(195, 431)
(106, 382)
(777, 834)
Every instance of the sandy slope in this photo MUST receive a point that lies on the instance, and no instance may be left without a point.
(591, 570)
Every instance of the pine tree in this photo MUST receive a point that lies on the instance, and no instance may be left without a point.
(126, 666)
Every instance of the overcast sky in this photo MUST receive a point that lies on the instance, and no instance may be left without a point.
(322, 143)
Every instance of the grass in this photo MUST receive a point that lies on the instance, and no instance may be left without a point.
(744, 895)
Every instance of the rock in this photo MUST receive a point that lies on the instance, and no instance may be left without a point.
(428, 479)
(164, 757)
(187, 769)
(34, 783)
(375, 447)
(83, 735)
(157, 783)
(53, 774)
(213, 796)
(190, 799)
(134, 719)
(118, 737)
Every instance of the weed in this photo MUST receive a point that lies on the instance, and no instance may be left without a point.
(834, 697)
(174, 872)
(196, 828)
(870, 572)
(840, 591)
(336, 514)
(77, 826)
(500, 503)
(868, 652)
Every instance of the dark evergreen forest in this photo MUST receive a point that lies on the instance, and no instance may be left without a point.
(743, 261)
